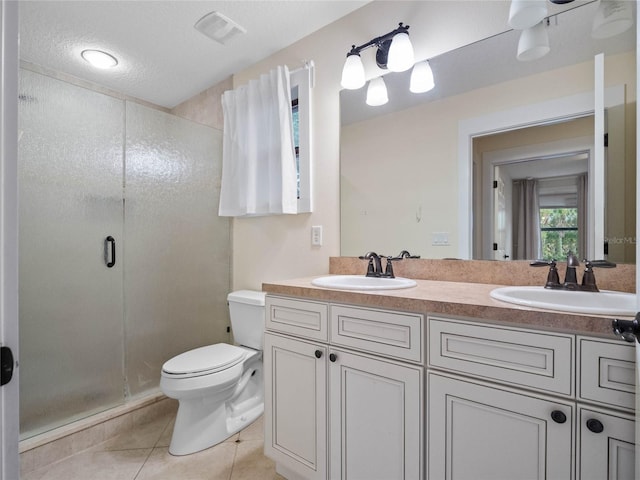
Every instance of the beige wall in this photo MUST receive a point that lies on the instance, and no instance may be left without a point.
(279, 247)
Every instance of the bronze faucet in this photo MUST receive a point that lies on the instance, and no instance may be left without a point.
(570, 279)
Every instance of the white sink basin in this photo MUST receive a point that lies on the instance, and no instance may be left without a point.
(360, 282)
(605, 302)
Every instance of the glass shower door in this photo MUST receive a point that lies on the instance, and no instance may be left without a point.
(177, 265)
(71, 303)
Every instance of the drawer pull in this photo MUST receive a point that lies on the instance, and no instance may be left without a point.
(333, 357)
(558, 416)
(595, 426)
(318, 353)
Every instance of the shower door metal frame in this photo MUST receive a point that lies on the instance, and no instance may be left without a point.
(9, 459)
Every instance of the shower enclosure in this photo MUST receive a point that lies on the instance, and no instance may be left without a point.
(124, 261)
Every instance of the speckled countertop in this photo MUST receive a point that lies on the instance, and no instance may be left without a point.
(457, 299)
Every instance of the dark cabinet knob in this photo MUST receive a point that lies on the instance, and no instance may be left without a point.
(333, 357)
(318, 353)
(595, 425)
(558, 416)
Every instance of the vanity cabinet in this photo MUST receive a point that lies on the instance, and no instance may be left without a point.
(375, 418)
(296, 405)
(333, 409)
(347, 396)
(502, 403)
(485, 424)
(477, 431)
(606, 448)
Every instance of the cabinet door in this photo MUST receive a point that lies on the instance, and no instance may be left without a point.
(295, 411)
(607, 446)
(479, 432)
(375, 410)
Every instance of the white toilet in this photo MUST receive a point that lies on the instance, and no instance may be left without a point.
(220, 388)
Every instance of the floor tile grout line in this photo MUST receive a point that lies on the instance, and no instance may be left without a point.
(155, 445)
(143, 464)
(235, 456)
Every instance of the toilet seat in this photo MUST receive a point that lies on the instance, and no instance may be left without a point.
(204, 361)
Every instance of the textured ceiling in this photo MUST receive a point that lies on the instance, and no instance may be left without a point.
(162, 58)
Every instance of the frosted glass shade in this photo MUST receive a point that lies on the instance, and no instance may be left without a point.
(377, 92)
(400, 53)
(421, 78)
(534, 43)
(524, 14)
(353, 73)
(612, 18)
(99, 59)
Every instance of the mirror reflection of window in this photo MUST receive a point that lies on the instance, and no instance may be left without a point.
(558, 232)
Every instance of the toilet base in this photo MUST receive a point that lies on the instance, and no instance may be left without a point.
(196, 429)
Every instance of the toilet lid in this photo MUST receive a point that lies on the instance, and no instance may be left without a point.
(209, 359)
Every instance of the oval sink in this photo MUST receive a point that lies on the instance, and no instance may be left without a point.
(605, 302)
(360, 282)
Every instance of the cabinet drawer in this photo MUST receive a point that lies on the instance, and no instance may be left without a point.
(607, 372)
(381, 332)
(537, 360)
(297, 317)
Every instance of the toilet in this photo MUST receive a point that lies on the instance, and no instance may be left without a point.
(219, 388)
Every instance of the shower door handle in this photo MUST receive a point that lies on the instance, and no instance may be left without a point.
(109, 247)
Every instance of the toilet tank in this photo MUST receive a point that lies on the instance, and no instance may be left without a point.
(246, 310)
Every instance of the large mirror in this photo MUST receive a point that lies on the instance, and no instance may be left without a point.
(401, 166)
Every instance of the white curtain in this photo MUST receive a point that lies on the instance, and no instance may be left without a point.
(583, 212)
(258, 153)
(526, 224)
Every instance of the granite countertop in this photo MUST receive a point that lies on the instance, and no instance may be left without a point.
(459, 299)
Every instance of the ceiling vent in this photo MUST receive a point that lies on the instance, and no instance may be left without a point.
(218, 27)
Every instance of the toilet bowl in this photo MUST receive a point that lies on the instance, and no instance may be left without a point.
(220, 387)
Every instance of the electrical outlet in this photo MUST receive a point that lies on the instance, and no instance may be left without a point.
(316, 235)
(440, 238)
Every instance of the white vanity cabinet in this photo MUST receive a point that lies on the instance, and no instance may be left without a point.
(296, 405)
(477, 431)
(606, 402)
(520, 403)
(482, 425)
(333, 409)
(606, 448)
(375, 418)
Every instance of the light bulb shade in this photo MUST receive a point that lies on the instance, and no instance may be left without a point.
(525, 14)
(421, 78)
(612, 18)
(353, 73)
(400, 53)
(377, 92)
(534, 43)
(99, 59)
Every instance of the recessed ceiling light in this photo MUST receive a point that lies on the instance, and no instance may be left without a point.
(99, 59)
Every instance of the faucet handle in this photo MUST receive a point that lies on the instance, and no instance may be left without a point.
(388, 272)
(404, 254)
(553, 279)
(589, 278)
(599, 263)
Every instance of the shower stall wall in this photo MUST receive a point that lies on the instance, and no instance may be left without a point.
(124, 261)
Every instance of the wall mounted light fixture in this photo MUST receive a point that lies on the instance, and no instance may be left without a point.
(612, 18)
(395, 53)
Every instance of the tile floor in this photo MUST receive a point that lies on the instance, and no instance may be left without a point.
(143, 454)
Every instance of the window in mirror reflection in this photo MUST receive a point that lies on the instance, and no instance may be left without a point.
(559, 232)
